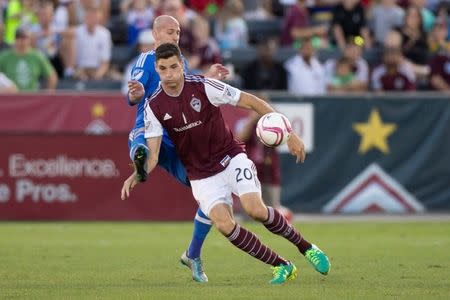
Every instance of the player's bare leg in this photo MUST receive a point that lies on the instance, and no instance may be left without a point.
(276, 223)
(247, 241)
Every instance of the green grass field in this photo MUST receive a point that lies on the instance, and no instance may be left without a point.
(140, 261)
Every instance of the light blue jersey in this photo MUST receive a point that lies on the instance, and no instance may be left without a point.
(144, 72)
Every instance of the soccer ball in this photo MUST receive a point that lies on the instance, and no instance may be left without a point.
(273, 129)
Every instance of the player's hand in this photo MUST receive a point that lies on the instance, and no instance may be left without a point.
(128, 185)
(217, 71)
(296, 147)
(135, 90)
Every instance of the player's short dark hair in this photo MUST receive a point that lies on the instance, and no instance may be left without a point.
(167, 50)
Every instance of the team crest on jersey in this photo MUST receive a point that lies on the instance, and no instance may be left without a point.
(196, 104)
(137, 74)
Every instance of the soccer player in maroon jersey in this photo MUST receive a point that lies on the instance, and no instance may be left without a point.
(187, 107)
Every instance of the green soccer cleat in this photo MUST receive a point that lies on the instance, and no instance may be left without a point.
(140, 161)
(196, 266)
(282, 273)
(318, 259)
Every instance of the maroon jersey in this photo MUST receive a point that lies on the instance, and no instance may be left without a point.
(195, 125)
(440, 65)
(402, 80)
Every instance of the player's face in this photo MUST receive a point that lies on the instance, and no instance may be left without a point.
(170, 71)
(170, 33)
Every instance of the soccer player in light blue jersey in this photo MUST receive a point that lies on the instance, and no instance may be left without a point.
(144, 81)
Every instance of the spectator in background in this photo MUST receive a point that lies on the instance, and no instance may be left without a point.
(427, 17)
(206, 51)
(306, 75)
(56, 43)
(349, 20)
(342, 77)
(415, 47)
(93, 47)
(82, 6)
(385, 16)
(184, 16)
(231, 30)
(438, 38)
(206, 8)
(296, 25)
(394, 74)
(6, 85)
(139, 15)
(415, 44)
(146, 42)
(266, 160)
(265, 72)
(440, 71)
(64, 16)
(19, 13)
(358, 66)
(260, 10)
(26, 66)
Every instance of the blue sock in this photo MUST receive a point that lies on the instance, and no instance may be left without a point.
(202, 225)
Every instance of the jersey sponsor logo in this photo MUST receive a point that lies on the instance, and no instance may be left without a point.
(137, 74)
(196, 104)
(167, 117)
(374, 191)
(188, 126)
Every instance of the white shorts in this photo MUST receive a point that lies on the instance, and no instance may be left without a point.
(239, 178)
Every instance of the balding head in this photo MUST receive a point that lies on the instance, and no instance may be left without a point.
(166, 29)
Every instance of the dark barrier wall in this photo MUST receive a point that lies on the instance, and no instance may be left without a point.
(373, 154)
(365, 154)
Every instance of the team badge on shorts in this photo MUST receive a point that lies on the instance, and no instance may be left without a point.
(196, 104)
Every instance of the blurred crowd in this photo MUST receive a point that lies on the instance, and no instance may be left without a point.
(306, 47)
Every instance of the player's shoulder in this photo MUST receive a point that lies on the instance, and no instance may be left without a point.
(153, 98)
(207, 82)
(145, 58)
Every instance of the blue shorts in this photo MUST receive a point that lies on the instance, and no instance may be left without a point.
(168, 158)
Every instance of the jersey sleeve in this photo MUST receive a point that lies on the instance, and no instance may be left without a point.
(141, 71)
(153, 127)
(220, 93)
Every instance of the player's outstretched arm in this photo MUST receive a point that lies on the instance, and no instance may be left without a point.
(296, 147)
(153, 145)
(295, 144)
(249, 101)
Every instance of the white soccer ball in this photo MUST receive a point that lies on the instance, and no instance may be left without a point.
(273, 129)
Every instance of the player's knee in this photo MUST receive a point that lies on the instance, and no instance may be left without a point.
(222, 220)
(258, 213)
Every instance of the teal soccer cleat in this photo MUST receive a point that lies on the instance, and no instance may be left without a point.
(196, 266)
(283, 273)
(318, 259)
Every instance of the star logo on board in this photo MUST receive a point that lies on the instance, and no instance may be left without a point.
(374, 191)
(374, 133)
(98, 110)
